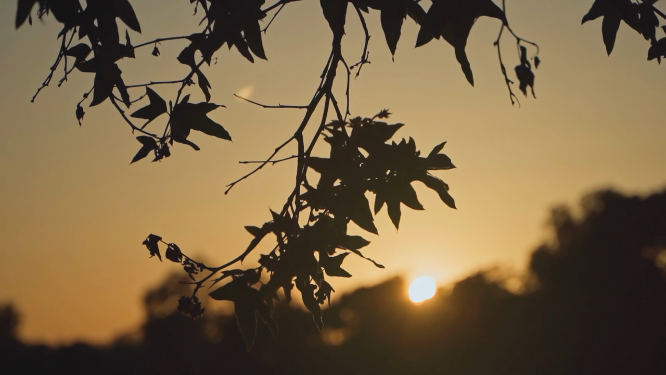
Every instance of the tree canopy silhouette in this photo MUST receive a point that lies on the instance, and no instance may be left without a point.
(310, 229)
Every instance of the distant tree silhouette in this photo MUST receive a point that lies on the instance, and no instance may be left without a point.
(362, 159)
(595, 304)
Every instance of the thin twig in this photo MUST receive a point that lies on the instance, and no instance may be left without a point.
(271, 106)
(508, 82)
(273, 19)
(158, 40)
(272, 162)
(366, 54)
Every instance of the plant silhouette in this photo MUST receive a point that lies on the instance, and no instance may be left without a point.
(310, 229)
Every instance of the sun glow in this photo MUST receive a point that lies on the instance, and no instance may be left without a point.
(422, 288)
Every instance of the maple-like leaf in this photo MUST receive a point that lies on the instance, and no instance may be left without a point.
(453, 20)
(613, 12)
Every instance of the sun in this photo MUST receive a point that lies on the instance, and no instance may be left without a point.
(422, 288)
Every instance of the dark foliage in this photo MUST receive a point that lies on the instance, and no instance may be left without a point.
(640, 16)
(362, 158)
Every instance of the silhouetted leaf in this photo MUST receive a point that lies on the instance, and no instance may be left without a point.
(79, 52)
(453, 20)
(23, 11)
(613, 12)
(123, 10)
(241, 46)
(173, 253)
(156, 51)
(353, 242)
(153, 110)
(203, 84)
(247, 322)
(357, 252)
(152, 243)
(609, 28)
(149, 144)
(335, 12)
(436, 149)
(440, 187)
(332, 264)
(252, 33)
(265, 314)
(392, 15)
(186, 116)
(524, 72)
(258, 234)
(359, 212)
(657, 50)
(307, 294)
(79, 113)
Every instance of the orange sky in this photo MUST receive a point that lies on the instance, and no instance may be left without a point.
(74, 214)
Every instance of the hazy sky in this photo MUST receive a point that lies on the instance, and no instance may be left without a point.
(73, 214)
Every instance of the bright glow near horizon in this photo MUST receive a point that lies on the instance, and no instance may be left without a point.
(422, 288)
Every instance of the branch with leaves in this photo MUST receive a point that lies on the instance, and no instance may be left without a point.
(329, 194)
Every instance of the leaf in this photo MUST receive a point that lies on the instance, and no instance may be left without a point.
(392, 15)
(526, 78)
(149, 144)
(241, 46)
(104, 82)
(461, 56)
(368, 259)
(123, 10)
(657, 50)
(453, 20)
(369, 136)
(247, 322)
(186, 116)
(613, 12)
(408, 196)
(360, 213)
(379, 202)
(332, 265)
(23, 11)
(232, 291)
(79, 51)
(173, 253)
(353, 242)
(265, 314)
(307, 294)
(252, 33)
(393, 208)
(186, 56)
(153, 110)
(255, 231)
(440, 187)
(152, 243)
(203, 84)
(609, 28)
(335, 12)
(436, 149)
(524, 72)
(79, 113)
(258, 234)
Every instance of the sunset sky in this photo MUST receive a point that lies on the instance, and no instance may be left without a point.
(73, 214)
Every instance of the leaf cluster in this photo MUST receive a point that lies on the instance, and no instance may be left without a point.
(641, 16)
(362, 160)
